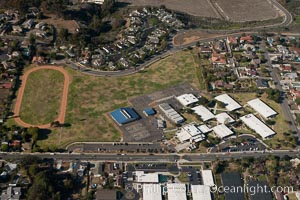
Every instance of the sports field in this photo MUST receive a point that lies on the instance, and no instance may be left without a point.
(91, 98)
(42, 96)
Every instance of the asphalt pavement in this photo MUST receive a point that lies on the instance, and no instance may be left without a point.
(153, 158)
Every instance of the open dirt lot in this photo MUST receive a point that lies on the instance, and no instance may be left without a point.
(190, 36)
(246, 10)
(60, 23)
(201, 8)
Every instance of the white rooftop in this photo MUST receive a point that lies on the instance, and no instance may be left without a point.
(182, 136)
(207, 177)
(262, 108)
(176, 191)
(230, 103)
(187, 99)
(222, 131)
(190, 131)
(203, 113)
(201, 192)
(152, 192)
(141, 177)
(224, 118)
(258, 126)
(204, 128)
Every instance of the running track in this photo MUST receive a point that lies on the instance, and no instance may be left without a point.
(63, 105)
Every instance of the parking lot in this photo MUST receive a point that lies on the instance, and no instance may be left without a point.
(249, 143)
(145, 129)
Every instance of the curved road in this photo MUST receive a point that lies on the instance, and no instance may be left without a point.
(63, 105)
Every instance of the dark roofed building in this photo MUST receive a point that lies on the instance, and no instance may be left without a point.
(149, 111)
(262, 83)
(259, 191)
(233, 181)
(124, 115)
(103, 194)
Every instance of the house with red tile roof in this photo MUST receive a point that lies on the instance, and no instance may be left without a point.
(219, 59)
(247, 38)
(286, 68)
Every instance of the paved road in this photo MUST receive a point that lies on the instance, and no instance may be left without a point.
(155, 158)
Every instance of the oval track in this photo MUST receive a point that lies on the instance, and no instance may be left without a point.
(63, 105)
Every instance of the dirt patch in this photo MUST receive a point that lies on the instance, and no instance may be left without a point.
(191, 36)
(246, 10)
(202, 8)
(60, 23)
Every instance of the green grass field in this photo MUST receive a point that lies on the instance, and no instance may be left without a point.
(42, 97)
(91, 98)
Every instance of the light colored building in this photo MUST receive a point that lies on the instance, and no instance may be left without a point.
(141, 177)
(152, 192)
(176, 191)
(203, 113)
(204, 128)
(262, 108)
(201, 192)
(224, 118)
(222, 131)
(171, 113)
(190, 132)
(93, 1)
(187, 99)
(12, 193)
(230, 103)
(207, 177)
(258, 126)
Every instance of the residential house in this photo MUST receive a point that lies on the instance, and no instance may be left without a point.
(218, 59)
(204, 49)
(17, 29)
(286, 68)
(232, 40)
(262, 83)
(38, 60)
(247, 39)
(290, 76)
(295, 94)
(11, 193)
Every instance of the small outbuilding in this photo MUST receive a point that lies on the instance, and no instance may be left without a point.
(149, 111)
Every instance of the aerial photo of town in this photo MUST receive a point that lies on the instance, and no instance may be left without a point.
(149, 100)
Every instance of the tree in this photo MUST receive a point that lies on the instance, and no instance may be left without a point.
(42, 187)
(297, 101)
(270, 122)
(4, 147)
(32, 39)
(34, 133)
(221, 104)
(96, 23)
(33, 169)
(203, 101)
(63, 34)
(107, 7)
